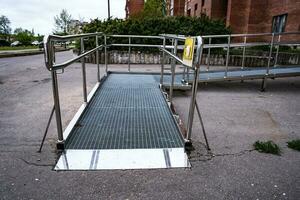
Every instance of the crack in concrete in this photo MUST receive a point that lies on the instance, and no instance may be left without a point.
(36, 164)
(211, 155)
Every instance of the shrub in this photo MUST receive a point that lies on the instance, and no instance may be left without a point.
(154, 26)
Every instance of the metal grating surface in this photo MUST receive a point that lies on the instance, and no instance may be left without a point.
(127, 112)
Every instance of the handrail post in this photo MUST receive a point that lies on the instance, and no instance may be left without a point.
(60, 141)
(173, 65)
(208, 55)
(277, 51)
(129, 52)
(244, 52)
(83, 71)
(194, 90)
(264, 82)
(105, 53)
(227, 56)
(97, 59)
(163, 62)
(270, 54)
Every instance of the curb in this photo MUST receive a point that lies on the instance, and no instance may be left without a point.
(29, 53)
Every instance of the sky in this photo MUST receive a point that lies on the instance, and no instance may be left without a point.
(39, 14)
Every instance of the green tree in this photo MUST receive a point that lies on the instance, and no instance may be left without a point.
(154, 8)
(62, 23)
(5, 27)
(24, 36)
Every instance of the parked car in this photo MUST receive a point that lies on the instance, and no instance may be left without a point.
(15, 43)
(35, 43)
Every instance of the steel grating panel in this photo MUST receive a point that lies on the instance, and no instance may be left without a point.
(127, 112)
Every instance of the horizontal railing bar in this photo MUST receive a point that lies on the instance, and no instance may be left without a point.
(206, 46)
(68, 62)
(136, 45)
(69, 37)
(137, 36)
(141, 45)
(171, 36)
(249, 35)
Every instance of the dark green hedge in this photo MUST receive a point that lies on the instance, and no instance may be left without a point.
(154, 26)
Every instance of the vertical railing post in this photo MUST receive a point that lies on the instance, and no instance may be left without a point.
(270, 54)
(129, 52)
(97, 59)
(264, 82)
(244, 52)
(208, 54)
(173, 66)
(163, 62)
(60, 138)
(227, 56)
(83, 71)
(105, 54)
(277, 51)
(194, 90)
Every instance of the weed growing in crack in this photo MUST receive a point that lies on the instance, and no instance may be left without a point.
(267, 147)
(294, 144)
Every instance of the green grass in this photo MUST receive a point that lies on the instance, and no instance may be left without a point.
(267, 147)
(17, 48)
(294, 144)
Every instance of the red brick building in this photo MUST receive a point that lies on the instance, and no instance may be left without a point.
(250, 16)
(133, 7)
(173, 7)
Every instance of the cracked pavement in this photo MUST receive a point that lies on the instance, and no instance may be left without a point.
(235, 116)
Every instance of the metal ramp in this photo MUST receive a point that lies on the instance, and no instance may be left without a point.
(246, 74)
(127, 125)
(126, 121)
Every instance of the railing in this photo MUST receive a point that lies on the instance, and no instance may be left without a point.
(54, 67)
(51, 65)
(275, 40)
(166, 50)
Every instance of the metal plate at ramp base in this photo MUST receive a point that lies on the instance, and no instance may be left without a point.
(104, 159)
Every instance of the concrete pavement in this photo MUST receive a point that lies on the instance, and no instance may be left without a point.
(235, 115)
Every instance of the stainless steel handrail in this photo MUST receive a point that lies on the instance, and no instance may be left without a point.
(69, 62)
(71, 37)
(137, 36)
(175, 57)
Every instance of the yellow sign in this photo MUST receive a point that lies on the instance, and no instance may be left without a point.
(188, 52)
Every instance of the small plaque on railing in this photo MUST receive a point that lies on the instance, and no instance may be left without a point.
(188, 52)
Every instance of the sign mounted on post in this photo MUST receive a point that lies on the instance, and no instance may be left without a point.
(188, 52)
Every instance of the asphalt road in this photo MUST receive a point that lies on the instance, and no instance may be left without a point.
(235, 115)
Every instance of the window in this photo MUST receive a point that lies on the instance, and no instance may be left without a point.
(189, 12)
(196, 6)
(202, 3)
(278, 24)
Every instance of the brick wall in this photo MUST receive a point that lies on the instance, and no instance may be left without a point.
(179, 7)
(215, 9)
(133, 7)
(250, 16)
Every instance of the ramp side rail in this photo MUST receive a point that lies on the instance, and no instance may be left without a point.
(53, 67)
(273, 40)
